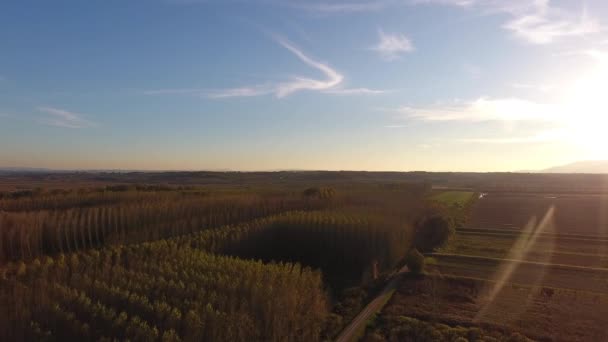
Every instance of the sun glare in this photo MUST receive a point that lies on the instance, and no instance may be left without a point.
(586, 111)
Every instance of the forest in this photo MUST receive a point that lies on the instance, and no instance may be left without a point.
(166, 262)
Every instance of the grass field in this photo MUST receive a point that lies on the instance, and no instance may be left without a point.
(453, 197)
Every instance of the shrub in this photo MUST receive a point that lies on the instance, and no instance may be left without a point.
(415, 261)
(433, 232)
(320, 193)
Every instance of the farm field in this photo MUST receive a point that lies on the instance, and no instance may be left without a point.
(557, 249)
(516, 265)
(464, 305)
(524, 227)
(527, 273)
(582, 214)
(453, 197)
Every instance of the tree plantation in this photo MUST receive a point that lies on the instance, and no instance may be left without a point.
(152, 263)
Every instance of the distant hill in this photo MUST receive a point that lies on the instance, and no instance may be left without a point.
(589, 166)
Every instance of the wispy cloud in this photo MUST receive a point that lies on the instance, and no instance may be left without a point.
(544, 88)
(356, 91)
(333, 78)
(545, 24)
(544, 136)
(483, 109)
(533, 21)
(63, 118)
(332, 83)
(239, 92)
(392, 45)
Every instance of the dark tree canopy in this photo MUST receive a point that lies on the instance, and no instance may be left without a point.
(433, 232)
(415, 261)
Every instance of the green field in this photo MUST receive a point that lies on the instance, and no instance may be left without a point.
(453, 197)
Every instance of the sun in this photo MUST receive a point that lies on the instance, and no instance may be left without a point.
(585, 111)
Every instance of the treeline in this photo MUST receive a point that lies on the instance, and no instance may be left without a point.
(63, 201)
(59, 199)
(159, 291)
(27, 235)
(343, 247)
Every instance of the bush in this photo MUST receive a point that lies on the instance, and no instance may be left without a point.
(433, 232)
(411, 329)
(415, 261)
(320, 193)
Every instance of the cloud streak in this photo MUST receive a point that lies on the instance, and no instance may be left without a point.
(63, 118)
(333, 78)
(544, 88)
(298, 83)
(331, 83)
(484, 109)
(541, 137)
(533, 21)
(392, 46)
(356, 91)
(545, 24)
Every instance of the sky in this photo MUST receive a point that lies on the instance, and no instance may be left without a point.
(399, 85)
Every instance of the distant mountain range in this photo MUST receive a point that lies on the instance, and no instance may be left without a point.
(589, 166)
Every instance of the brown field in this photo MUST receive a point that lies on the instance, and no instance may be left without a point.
(583, 214)
(573, 236)
(504, 270)
(541, 314)
(555, 249)
(526, 274)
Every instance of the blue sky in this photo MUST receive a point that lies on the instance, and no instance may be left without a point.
(462, 85)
